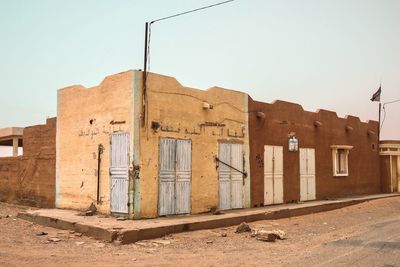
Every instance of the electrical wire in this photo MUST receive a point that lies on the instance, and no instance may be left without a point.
(147, 69)
(200, 99)
(191, 11)
(384, 110)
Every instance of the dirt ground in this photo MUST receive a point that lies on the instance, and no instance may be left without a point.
(345, 237)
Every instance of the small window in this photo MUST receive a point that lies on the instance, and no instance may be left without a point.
(340, 155)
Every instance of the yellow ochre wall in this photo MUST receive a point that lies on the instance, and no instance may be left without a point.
(180, 110)
(78, 139)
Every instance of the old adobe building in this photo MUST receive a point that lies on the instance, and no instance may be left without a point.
(170, 150)
(167, 149)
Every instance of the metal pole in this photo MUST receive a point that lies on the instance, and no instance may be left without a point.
(146, 32)
(99, 152)
(379, 128)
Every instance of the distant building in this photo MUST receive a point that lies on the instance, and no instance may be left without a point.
(29, 179)
(390, 165)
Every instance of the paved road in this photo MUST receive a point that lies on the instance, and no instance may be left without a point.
(377, 245)
(367, 234)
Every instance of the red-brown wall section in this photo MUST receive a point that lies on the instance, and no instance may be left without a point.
(30, 179)
(282, 118)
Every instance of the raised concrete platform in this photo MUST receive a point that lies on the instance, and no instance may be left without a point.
(130, 231)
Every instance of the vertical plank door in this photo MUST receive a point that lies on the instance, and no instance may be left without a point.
(166, 176)
(119, 172)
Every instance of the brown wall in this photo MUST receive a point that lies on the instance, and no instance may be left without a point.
(385, 174)
(282, 118)
(30, 179)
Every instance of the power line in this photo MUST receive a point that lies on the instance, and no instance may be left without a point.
(147, 57)
(391, 102)
(146, 68)
(191, 11)
(384, 110)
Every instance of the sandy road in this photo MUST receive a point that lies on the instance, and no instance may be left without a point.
(367, 234)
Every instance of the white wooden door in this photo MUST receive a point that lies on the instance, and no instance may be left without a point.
(307, 174)
(273, 175)
(230, 176)
(166, 176)
(175, 171)
(224, 176)
(236, 176)
(183, 176)
(119, 171)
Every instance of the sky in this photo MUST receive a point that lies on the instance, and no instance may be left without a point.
(329, 54)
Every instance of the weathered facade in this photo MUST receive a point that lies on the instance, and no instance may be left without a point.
(160, 147)
(330, 156)
(86, 118)
(389, 151)
(30, 179)
(214, 124)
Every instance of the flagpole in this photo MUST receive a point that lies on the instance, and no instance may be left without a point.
(379, 127)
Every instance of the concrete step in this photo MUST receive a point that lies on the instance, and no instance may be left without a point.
(130, 231)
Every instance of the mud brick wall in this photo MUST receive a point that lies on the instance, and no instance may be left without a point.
(30, 178)
(282, 118)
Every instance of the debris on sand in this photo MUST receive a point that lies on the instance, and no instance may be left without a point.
(54, 239)
(268, 236)
(161, 242)
(243, 227)
(90, 211)
(41, 233)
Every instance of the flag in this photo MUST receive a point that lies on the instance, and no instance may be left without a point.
(377, 95)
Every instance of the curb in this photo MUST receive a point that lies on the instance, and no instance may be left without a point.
(128, 236)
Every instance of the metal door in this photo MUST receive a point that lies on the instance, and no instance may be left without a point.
(307, 174)
(119, 172)
(230, 176)
(273, 175)
(175, 170)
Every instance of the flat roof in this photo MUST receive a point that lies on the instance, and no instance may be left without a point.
(7, 134)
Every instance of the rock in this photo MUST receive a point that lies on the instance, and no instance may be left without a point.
(224, 234)
(54, 239)
(117, 242)
(162, 242)
(121, 218)
(243, 227)
(78, 234)
(143, 244)
(79, 243)
(134, 259)
(72, 232)
(8, 216)
(268, 236)
(100, 245)
(209, 242)
(90, 211)
(42, 233)
(218, 212)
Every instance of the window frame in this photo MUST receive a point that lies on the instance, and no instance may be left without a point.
(343, 150)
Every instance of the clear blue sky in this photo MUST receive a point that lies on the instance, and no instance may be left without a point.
(320, 54)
